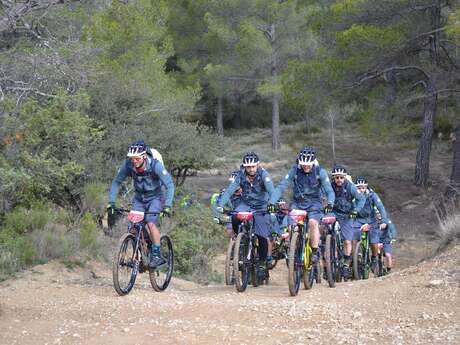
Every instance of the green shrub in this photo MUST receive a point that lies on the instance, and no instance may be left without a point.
(22, 220)
(196, 240)
(53, 243)
(443, 125)
(94, 198)
(88, 232)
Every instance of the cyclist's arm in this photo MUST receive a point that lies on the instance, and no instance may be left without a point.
(281, 187)
(391, 229)
(327, 187)
(268, 183)
(360, 199)
(232, 188)
(166, 180)
(379, 204)
(117, 181)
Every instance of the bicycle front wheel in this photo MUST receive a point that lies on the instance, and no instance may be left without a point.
(309, 274)
(330, 256)
(229, 280)
(161, 276)
(125, 265)
(295, 264)
(241, 262)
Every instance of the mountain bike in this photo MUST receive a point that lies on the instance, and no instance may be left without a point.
(280, 247)
(382, 269)
(362, 255)
(246, 252)
(228, 272)
(333, 250)
(299, 257)
(133, 256)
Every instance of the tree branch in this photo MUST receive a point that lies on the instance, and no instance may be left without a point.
(373, 75)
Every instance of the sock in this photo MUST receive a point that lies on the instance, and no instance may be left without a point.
(156, 249)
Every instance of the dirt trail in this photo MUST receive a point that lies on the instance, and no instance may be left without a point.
(54, 305)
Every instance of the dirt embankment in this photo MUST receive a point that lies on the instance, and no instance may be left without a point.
(54, 305)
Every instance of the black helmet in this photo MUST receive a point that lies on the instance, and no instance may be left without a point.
(250, 159)
(136, 149)
(361, 181)
(307, 156)
(339, 170)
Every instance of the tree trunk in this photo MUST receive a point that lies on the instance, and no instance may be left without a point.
(220, 117)
(455, 176)
(392, 91)
(307, 122)
(237, 115)
(436, 35)
(276, 97)
(275, 123)
(422, 162)
(333, 138)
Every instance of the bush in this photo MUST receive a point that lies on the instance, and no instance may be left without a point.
(94, 198)
(53, 243)
(88, 232)
(196, 240)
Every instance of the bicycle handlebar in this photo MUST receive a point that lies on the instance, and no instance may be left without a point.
(127, 210)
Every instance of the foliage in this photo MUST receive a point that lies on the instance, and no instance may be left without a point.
(196, 241)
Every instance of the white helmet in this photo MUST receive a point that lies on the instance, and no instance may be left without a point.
(137, 149)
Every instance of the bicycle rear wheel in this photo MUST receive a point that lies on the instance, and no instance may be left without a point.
(361, 262)
(241, 263)
(161, 276)
(330, 252)
(309, 273)
(125, 265)
(295, 264)
(229, 280)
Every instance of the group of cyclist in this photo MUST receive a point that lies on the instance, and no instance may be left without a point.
(354, 205)
(251, 189)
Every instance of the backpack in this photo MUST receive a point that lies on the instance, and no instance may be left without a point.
(154, 154)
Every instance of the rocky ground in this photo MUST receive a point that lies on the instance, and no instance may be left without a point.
(52, 304)
(419, 303)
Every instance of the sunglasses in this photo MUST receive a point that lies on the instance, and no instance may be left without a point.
(339, 177)
(136, 159)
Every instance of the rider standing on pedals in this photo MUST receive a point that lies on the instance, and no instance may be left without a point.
(148, 176)
(257, 187)
(348, 203)
(309, 181)
(367, 215)
(234, 201)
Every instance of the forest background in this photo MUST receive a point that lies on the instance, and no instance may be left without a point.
(80, 80)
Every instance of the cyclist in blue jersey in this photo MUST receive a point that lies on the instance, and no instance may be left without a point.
(257, 187)
(148, 175)
(309, 181)
(348, 203)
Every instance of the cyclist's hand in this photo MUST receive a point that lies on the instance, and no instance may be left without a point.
(383, 226)
(111, 215)
(353, 215)
(271, 208)
(328, 209)
(166, 212)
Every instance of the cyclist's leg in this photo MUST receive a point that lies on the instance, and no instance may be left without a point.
(263, 231)
(388, 248)
(347, 228)
(154, 206)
